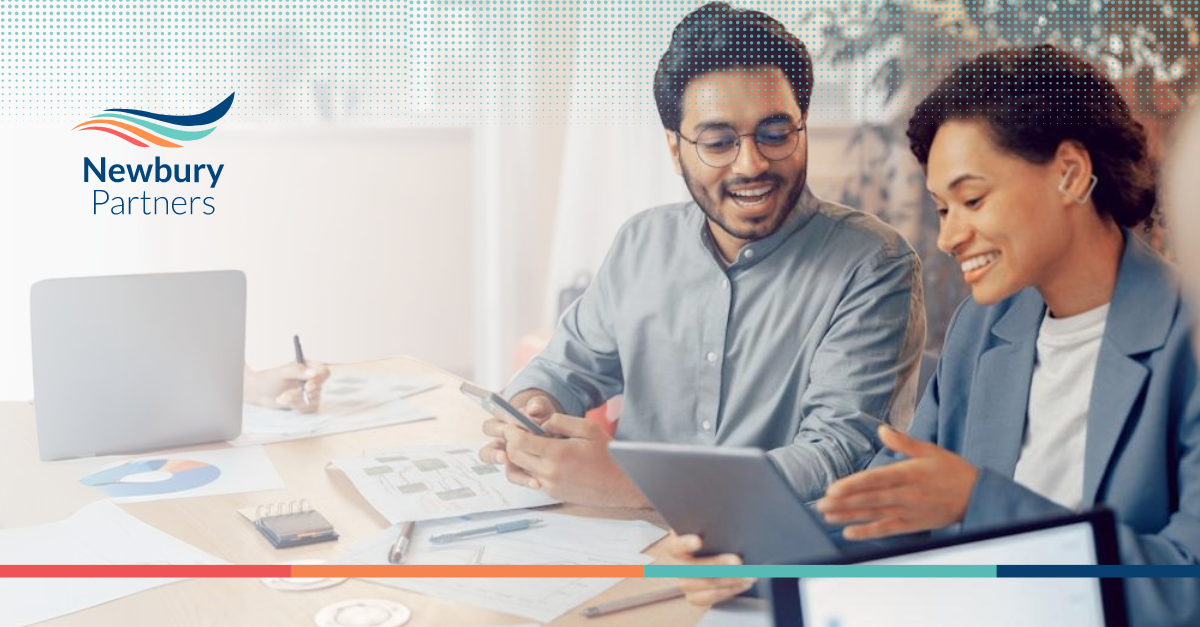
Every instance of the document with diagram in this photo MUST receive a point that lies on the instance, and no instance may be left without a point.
(439, 481)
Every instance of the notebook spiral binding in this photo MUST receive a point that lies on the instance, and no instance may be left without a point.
(292, 523)
(282, 508)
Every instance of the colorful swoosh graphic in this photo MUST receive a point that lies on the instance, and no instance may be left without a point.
(145, 128)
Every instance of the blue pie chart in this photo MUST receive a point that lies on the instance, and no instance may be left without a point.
(149, 477)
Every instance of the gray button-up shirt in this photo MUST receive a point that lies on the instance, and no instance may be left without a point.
(800, 346)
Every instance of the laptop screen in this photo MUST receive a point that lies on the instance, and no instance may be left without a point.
(979, 602)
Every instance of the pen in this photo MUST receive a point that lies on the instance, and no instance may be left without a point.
(396, 553)
(504, 527)
(300, 360)
(637, 600)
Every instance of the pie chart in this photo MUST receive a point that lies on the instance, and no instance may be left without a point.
(147, 477)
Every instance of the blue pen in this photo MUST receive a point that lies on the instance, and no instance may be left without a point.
(504, 527)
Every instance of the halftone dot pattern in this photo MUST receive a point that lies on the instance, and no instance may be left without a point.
(529, 61)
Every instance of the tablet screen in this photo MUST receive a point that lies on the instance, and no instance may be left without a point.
(978, 602)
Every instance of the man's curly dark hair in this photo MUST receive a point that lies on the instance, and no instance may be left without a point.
(719, 37)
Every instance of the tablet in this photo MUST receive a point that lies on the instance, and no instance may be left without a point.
(1085, 539)
(734, 498)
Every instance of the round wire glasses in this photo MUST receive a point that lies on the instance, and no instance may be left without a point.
(719, 146)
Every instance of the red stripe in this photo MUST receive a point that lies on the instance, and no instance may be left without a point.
(144, 570)
(135, 142)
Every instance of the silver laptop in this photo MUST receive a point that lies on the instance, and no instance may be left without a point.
(126, 364)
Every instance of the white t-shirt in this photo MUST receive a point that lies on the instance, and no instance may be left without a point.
(1051, 461)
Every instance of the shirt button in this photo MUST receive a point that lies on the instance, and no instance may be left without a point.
(706, 425)
(711, 357)
(748, 253)
(725, 283)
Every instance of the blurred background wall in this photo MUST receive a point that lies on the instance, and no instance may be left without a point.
(433, 192)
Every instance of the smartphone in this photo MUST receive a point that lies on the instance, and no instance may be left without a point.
(502, 409)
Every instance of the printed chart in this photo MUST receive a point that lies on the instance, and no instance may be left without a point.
(149, 477)
(429, 482)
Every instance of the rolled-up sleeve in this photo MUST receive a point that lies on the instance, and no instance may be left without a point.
(864, 372)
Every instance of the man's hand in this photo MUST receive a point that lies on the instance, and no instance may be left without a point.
(283, 387)
(576, 469)
(930, 490)
(705, 591)
(536, 404)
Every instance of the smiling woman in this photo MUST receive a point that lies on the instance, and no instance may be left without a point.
(1035, 163)
(1068, 380)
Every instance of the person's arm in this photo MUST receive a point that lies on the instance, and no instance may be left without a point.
(283, 387)
(993, 500)
(864, 373)
(580, 368)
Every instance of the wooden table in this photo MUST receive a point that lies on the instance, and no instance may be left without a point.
(33, 492)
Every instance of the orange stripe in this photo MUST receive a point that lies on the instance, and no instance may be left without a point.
(489, 570)
(140, 132)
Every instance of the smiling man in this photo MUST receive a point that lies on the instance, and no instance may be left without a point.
(756, 315)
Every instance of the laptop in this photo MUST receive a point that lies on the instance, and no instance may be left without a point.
(1084, 539)
(128, 364)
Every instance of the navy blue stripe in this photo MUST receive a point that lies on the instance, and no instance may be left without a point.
(1098, 571)
(200, 119)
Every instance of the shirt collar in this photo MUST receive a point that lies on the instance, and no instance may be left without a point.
(754, 252)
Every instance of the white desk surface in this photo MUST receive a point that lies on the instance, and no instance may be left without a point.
(213, 525)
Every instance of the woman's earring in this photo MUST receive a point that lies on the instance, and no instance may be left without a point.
(1062, 186)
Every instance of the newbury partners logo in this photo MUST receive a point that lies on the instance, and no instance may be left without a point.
(134, 126)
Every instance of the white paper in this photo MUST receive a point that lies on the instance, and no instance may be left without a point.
(351, 400)
(557, 541)
(739, 612)
(430, 482)
(184, 474)
(98, 534)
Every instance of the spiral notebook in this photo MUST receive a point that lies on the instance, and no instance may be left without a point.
(290, 523)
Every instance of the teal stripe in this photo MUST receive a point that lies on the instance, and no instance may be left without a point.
(165, 131)
(845, 571)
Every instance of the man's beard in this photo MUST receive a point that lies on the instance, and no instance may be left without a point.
(709, 205)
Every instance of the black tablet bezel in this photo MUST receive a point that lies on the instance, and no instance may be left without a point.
(785, 591)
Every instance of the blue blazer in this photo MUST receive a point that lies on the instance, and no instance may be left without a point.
(1142, 453)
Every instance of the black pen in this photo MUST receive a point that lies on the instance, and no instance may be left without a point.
(300, 360)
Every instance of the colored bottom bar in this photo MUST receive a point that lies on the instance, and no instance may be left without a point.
(579, 571)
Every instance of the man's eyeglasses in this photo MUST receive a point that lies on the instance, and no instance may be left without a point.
(720, 146)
